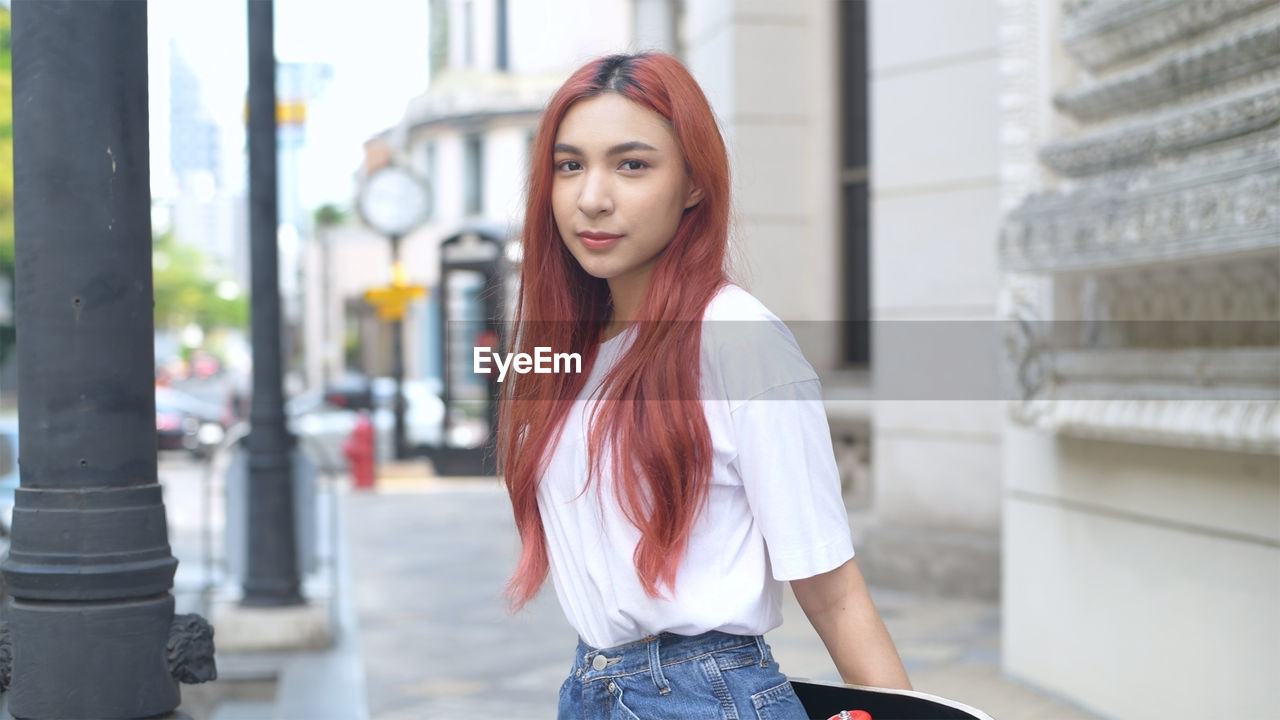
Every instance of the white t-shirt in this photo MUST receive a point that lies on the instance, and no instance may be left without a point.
(774, 511)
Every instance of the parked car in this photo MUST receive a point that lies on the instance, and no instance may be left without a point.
(323, 419)
(185, 422)
(321, 429)
(350, 392)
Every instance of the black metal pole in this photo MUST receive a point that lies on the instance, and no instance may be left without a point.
(401, 441)
(90, 568)
(272, 576)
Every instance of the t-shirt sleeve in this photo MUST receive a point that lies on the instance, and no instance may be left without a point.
(788, 470)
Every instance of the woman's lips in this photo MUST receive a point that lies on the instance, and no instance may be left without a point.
(598, 240)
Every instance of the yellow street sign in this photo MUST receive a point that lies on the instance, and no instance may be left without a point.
(287, 112)
(392, 300)
(291, 113)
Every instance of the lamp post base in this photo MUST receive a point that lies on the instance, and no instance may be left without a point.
(129, 672)
(264, 629)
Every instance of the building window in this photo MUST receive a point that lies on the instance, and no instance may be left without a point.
(467, 29)
(438, 49)
(429, 171)
(854, 182)
(475, 174)
(500, 60)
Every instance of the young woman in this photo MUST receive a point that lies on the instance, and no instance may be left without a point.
(672, 486)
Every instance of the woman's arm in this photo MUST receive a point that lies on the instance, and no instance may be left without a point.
(840, 609)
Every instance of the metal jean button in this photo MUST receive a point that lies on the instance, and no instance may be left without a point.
(599, 663)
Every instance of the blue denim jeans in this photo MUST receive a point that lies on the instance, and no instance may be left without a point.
(675, 677)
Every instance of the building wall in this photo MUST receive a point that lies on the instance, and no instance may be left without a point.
(935, 210)
(448, 185)
(506, 161)
(767, 70)
(1141, 509)
(357, 259)
(579, 30)
(549, 36)
(1142, 581)
(770, 71)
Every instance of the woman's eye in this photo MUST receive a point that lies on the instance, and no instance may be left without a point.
(633, 165)
(568, 166)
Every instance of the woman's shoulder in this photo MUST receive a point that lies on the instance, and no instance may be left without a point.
(748, 346)
(733, 303)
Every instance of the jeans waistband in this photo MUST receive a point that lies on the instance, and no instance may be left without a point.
(653, 653)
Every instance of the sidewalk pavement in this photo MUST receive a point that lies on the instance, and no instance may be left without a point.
(428, 561)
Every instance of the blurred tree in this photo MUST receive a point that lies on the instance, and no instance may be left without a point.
(6, 187)
(188, 289)
(328, 215)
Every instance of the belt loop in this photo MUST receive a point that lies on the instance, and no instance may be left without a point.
(765, 655)
(655, 667)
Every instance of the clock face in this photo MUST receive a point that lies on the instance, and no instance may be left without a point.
(393, 201)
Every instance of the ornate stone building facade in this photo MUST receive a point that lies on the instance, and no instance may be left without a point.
(1140, 252)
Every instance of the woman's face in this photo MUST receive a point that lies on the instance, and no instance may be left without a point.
(619, 188)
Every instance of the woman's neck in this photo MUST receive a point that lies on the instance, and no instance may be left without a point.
(612, 330)
(627, 294)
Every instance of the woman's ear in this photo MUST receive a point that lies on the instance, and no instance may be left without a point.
(693, 197)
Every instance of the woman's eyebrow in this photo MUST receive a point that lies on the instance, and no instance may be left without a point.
(619, 149)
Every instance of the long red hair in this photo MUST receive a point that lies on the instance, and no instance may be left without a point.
(648, 411)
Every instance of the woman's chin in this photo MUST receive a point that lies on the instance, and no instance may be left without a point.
(599, 271)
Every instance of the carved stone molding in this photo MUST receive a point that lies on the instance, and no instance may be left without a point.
(1224, 304)
(1028, 367)
(1195, 210)
(1144, 287)
(1100, 34)
(1040, 369)
(1024, 91)
(471, 97)
(1238, 56)
(1207, 374)
(1153, 137)
(1125, 372)
(1075, 8)
(1236, 425)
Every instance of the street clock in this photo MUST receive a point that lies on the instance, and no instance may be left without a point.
(394, 201)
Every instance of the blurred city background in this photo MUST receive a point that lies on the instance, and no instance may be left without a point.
(1098, 538)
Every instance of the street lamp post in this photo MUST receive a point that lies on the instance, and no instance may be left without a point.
(400, 442)
(271, 577)
(90, 569)
(393, 201)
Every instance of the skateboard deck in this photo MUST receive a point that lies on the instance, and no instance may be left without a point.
(822, 700)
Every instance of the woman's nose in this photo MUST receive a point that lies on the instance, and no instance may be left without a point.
(596, 196)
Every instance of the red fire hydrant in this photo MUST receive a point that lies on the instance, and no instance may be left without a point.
(359, 452)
